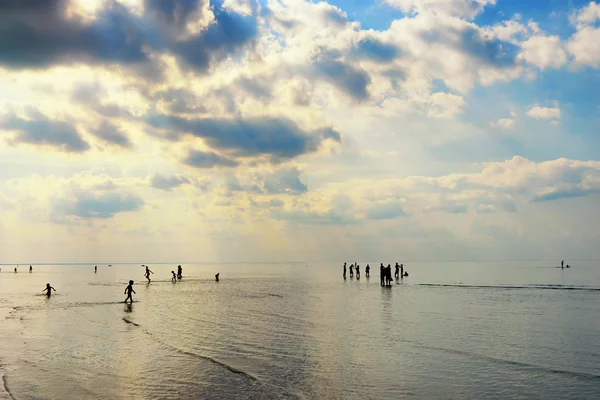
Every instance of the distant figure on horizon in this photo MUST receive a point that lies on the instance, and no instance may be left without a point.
(15, 270)
(344, 270)
(48, 290)
(562, 264)
(95, 269)
(397, 271)
(217, 276)
(568, 266)
(30, 269)
(351, 270)
(367, 269)
(174, 278)
(357, 271)
(179, 272)
(147, 274)
(382, 274)
(128, 291)
(401, 270)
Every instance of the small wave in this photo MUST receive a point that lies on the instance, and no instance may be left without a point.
(130, 322)
(222, 364)
(6, 389)
(531, 286)
(587, 375)
(274, 295)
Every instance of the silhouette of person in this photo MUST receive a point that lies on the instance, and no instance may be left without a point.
(562, 264)
(179, 272)
(15, 270)
(382, 274)
(217, 276)
(367, 270)
(48, 290)
(174, 278)
(30, 269)
(397, 272)
(128, 291)
(147, 274)
(388, 275)
(401, 270)
(95, 269)
(344, 270)
(357, 271)
(351, 270)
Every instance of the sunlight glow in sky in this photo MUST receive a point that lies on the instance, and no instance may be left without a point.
(283, 130)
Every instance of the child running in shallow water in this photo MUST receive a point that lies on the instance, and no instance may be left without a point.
(128, 291)
(48, 290)
(147, 274)
(174, 278)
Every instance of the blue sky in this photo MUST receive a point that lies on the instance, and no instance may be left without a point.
(246, 130)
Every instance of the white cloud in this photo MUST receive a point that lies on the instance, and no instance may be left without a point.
(504, 123)
(462, 8)
(584, 46)
(587, 15)
(543, 52)
(539, 112)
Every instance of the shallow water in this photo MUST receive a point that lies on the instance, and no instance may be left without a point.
(267, 331)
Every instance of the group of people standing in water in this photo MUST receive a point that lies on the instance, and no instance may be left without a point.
(385, 273)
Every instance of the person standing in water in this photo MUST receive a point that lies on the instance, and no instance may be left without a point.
(357, 271)
(344, 270)
(351, 270)
(179, 272)
(15, 270)
(129, 290)
(174, 278)
(367, 270)
(381, 274)
(147, 274)
(217, 276)
(30, 269)
(562, 264)
(95, 269)
(48, 290)
(397, 271)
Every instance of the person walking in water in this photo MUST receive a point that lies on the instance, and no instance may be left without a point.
(174, 278)
(367, 269)
(128, 291)
(344, 270)
(30, 269)
(397, 271)
(217, 276)
(179, 272)
(48, 290)
(357, 271)
(95, 269)
(147, 274)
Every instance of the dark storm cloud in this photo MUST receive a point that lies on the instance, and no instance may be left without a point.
(351, 80)
(40, 130)
(89, 205)
(278, 137)
(36, 33)
(112, 134)
(376, 50)
(200, 159)
(168, 182)
(229, 33)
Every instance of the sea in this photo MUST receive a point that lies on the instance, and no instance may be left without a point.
(465, 330)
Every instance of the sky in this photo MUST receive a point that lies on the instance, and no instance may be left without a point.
(295, 130)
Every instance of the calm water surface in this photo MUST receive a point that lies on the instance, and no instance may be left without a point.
(268, 331)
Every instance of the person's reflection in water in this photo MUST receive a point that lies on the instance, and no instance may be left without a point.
(48, 290)
(128, 307)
